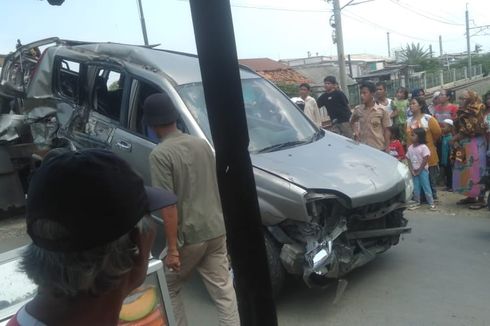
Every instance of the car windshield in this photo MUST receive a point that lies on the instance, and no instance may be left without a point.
(274, 122)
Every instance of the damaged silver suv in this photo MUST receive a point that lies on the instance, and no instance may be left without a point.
(328, 204)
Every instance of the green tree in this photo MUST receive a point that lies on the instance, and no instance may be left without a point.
(291, 90)
(113, 86)
(483, 59)
(414, 54)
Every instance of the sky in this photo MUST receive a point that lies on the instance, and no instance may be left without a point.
(277, 29)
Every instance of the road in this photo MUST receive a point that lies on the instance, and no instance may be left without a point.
(438, 275)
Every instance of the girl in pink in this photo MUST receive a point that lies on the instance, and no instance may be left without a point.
(418, 155)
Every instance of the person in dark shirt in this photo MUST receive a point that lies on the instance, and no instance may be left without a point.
(337, 106)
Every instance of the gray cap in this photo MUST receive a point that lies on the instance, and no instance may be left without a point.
(158, 110)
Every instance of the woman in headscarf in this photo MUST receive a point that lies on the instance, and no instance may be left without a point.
(470, 148)
(433, 133)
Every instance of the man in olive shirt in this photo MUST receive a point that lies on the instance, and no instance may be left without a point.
(185, 165)
(373, 120)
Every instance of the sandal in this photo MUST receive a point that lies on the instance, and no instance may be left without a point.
(467, 200)
(477, 206)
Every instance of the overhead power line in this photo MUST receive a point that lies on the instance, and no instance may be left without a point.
(276, 8)
(422, 14)
(363, 20)
(280, 9)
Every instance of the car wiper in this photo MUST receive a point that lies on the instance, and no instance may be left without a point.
(282, 146)
(317, 135)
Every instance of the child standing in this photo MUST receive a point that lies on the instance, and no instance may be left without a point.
(445, 162)
(418, 155)
(396, 147)
(399, 107)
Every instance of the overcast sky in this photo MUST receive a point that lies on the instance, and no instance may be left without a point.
(276, 29)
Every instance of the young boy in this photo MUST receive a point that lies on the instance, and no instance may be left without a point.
(396, 147)
(399, 114)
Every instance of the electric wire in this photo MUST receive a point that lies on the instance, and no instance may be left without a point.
(420, 13)
(275, 8)
(363, 20)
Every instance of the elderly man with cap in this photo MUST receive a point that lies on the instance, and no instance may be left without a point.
(91, 238)
(185, 165)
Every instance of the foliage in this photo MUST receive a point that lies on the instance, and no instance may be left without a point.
(114, 86)
(291, 90)
(429, 65)
(414, 54)
(418, 56)
(483, 59)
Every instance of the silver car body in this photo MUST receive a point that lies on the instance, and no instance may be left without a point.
(299, 187)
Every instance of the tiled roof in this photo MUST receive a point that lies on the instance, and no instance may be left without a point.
(274, 71)
(262, 64)
(286, 76)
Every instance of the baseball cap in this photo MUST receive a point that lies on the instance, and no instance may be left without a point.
(449, 122)
(436, 94)
(330, 79)
(93, 194)
(158, 109)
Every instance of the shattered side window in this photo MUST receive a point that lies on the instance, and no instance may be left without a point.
(108, 92)
(68, 79)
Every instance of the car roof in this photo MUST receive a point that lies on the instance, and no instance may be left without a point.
(182, 68)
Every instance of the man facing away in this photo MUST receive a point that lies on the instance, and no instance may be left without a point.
(311, 109)
(87, 216)
(337, 106)
(185, 165)
(373, 120)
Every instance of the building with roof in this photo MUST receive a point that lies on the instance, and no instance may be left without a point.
(274, 71)
(357, 64)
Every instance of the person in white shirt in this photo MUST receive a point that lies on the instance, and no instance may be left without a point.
(383, 100)
(311, 108)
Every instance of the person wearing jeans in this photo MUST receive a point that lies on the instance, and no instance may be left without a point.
(421, 182)
(418, 157)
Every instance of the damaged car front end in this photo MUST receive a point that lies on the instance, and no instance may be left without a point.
(335, 230)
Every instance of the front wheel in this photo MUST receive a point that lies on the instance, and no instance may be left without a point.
(276, 270)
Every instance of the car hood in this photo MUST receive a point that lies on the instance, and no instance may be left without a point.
(335, 164)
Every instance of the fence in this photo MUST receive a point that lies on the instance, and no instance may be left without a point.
(426, 81)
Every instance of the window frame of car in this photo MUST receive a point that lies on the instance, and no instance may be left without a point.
(132, 116)
(56, 82)
(93, 69)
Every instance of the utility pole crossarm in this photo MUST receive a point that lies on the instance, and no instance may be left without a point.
(350, 3)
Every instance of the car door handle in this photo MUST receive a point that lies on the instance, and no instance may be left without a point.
(124, 146)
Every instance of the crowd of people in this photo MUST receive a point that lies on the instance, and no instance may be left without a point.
(430, 138)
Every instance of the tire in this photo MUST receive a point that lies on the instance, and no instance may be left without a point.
(276, 270)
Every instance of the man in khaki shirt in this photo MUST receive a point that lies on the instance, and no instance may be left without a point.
(185, 165)
(373, 120)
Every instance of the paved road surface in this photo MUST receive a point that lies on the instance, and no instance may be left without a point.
(438, 275)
